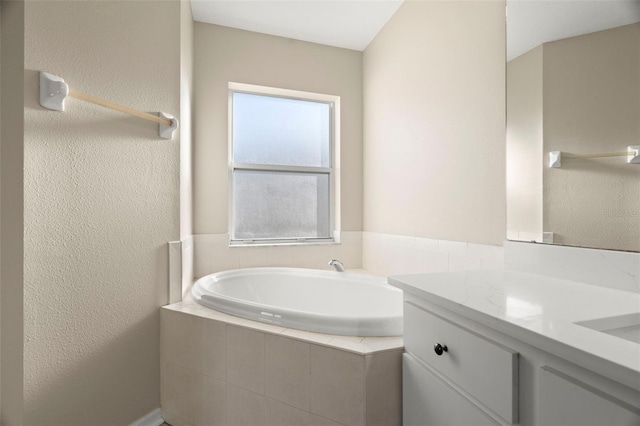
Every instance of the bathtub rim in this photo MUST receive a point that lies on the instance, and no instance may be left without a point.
(231, 305)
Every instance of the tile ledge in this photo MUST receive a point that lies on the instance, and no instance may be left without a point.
(331, 341)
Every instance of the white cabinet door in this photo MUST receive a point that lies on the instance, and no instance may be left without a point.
(566, 401)
(485, 369)
(429, 401)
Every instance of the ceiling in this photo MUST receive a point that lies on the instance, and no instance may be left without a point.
(533, 22)
(351, 24)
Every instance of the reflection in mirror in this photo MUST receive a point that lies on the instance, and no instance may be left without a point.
(573, 85)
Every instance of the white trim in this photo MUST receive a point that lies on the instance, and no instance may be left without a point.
(333, 171)
(287, 93)
(292, 169)
(153, 418)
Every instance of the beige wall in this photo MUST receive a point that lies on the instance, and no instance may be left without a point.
(434, 127)
(186, 114)
(101, 202)
(11, 210)
(223, 55)
(524, 146)
(592, 105)
(0, 213)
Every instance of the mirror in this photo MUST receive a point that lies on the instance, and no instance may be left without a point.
(573, 86)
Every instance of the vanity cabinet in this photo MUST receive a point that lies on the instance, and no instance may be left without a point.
(430, 400)
(458, 371)
(567, 401)
(475, 379)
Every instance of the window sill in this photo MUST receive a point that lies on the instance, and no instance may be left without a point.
(287, 243)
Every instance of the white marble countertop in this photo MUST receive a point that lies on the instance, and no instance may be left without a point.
(540, 311)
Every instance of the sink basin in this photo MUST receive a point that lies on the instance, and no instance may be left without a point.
(623, 326)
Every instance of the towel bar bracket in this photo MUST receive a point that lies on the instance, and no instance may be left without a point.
(632, 153)
(54, 90)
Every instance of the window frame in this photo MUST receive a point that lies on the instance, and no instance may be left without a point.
(332, 171)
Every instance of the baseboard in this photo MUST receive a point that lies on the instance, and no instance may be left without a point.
(154, 418)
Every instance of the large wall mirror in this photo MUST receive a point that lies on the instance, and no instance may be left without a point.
(573, 86)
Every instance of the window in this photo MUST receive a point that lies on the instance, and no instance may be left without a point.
(282, 165)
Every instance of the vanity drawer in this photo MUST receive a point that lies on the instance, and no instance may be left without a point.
(487, 371)
(430, 401)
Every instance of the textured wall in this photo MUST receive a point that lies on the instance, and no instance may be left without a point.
(592, 105)
(101, 202)
(11, 209)
(223, 55)
(434, 127)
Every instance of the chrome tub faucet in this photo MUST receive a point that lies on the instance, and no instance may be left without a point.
(338, 266)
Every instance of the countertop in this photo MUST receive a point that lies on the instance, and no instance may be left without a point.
(541, 311)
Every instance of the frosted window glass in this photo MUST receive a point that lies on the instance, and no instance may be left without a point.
(280, 205)
(280, 131)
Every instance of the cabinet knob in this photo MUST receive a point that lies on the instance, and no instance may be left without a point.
(440, 349)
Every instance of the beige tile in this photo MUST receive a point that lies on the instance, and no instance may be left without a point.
(484, 251)
(383, 389)
(321, 421)
(178, 337)
(354, 339)
(315, 256)
(212, 347)
(280, 256)
(244, 408)
(436, 261)
(175, 271)
(226, 318)
(173, 420)
(277, 414)
(337, 385)
(193, 342)
(308, 336)
(187, 266)
(245, 358)
(202, 254)
(379, 344)
(252, 257)
(261, 326)
(463, 263)
(287, 371)
(491, 264)
(428, 244)
(211, 408)
(178, 391)
(457, 248)
(224, 258)
(347, 345)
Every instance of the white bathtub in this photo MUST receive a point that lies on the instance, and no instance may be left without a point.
(321, 301)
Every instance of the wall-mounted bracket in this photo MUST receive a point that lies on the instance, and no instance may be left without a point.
(53, 91)
(555, 159)
(166, 132)
(634, 154)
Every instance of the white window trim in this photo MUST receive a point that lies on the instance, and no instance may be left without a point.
(334, 171)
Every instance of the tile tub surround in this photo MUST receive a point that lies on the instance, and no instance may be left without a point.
(605, 268)
(211, 253)
(218, 369)
(387, 254)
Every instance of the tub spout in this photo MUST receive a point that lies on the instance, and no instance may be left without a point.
(339, 267)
